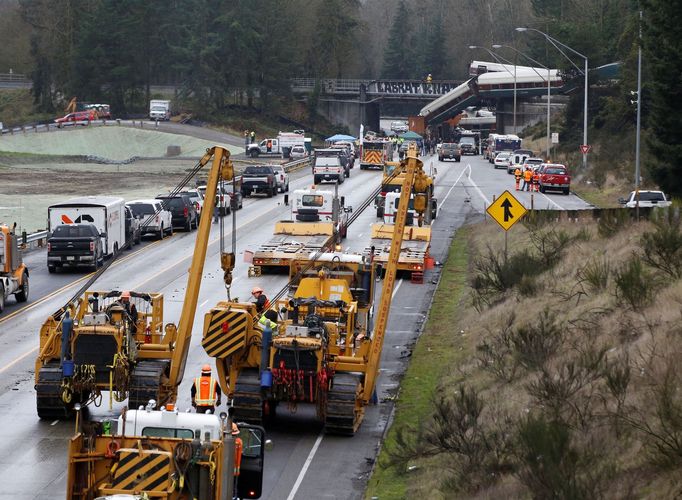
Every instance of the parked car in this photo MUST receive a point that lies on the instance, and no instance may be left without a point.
(259, 179)
(74, 245)
(298, 152)
(282, 178)
(646, 199)
(132, 229)
(502, 160)
(347, 157)
(554, 176)
(340, 153)
(154, 218)
(82, 117)
(450, 151)
(195, 197)
(532, 163)
(182, 209)
(399, 127)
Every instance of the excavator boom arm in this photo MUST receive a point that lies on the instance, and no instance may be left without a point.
(221, 169)
(374, 358)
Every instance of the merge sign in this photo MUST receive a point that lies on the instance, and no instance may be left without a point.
(506, 210)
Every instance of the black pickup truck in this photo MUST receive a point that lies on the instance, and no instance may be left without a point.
(259, 179)
(74, 245)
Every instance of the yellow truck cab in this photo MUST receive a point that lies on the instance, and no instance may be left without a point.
(13, 271)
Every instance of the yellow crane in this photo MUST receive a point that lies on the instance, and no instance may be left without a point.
(323, 350)
(117, 341)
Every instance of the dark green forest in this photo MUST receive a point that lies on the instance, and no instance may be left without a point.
(223, 53)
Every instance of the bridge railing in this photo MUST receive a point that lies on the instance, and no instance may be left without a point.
(13, 77)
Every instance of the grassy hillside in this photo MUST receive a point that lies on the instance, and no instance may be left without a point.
(559, 368)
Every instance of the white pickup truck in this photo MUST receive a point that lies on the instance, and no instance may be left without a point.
(645, 199)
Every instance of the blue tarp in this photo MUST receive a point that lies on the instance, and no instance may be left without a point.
(340, 137)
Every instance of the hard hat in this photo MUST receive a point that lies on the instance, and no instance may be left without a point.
(206, 368)
(125, 294)
(256, 289)
(235, 429)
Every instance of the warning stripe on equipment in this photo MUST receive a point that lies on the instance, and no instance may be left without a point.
(148, 471)
(219, 344)
(372, 157)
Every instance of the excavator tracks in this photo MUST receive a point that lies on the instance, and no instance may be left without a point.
(343, 416)
(145, 383)
(48, 393)
(247, 400)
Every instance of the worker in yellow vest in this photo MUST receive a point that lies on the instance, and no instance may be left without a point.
(205, 391)
(517, 176)
(527, 180)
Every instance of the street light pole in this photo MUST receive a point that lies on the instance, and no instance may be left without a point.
(554, 42)
(549, 96)
(499, 59)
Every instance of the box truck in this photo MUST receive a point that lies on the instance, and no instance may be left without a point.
(159, 110)
(107, 213)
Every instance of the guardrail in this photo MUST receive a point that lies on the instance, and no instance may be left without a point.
(293, 166)
(33, 240)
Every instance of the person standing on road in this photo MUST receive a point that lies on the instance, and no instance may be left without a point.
(527, 179)
(536, 181)
(517, 176)
(253, 137)
(246, 140)
(205, 391)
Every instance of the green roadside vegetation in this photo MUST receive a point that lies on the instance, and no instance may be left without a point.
(435, 353)
(551, 374)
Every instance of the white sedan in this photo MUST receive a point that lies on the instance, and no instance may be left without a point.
(502, 160)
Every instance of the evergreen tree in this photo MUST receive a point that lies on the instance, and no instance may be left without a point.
(435, 58)
(397, 56)
(662, 38)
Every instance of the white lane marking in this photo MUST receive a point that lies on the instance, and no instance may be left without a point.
(55, 422)
(313, 451)
(479, 191)
(551, 201)
(468, 166)
(395, 290)
(203, 303)
(10, 365)
(307, 463)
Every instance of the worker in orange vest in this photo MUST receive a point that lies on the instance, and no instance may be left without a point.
(536, 181)
(527, 180)
(205, 391)
(262, 302)
(517, 177)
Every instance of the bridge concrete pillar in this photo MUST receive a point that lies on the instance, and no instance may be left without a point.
(351, 113)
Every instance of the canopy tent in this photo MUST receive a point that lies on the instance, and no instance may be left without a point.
(411, 136)
(340, 137)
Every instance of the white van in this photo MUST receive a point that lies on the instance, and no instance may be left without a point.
(107, 213)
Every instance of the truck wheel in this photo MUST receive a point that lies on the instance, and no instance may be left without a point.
(286, 190)
(253, 154)
(316, 180)
(567, 191)
(51, 269)
(380, 212)
(161, 232)
(188, 226)
(2, 298)
(269, 192)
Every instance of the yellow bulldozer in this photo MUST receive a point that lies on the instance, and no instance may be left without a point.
(317, 346)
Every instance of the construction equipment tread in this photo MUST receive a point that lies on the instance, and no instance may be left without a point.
(49, 403)
(248, 399)
(341, 415)
(145, 383)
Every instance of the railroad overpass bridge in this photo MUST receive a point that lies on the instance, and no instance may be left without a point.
(351, 102)
(492, 85)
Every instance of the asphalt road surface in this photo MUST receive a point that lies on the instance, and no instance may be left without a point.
(305, 463)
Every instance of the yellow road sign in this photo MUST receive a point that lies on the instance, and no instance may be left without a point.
(506, 210)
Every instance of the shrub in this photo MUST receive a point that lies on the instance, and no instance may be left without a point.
(495, 354)
(550, 245)
(596, 274)
(635, 286)
(536, 342)
(494, 276)
(551, 466)
(663, 247)
(612, 221)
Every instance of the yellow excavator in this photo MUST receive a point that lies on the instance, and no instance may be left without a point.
(117, 341)
(318, 346)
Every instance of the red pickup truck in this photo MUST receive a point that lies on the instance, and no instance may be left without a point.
(554, 176)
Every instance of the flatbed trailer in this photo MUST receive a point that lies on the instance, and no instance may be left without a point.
(293, 241)
(414, 249)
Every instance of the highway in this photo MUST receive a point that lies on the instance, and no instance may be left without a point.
(304, 463)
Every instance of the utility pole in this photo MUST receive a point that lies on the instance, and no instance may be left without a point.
(639, 103)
